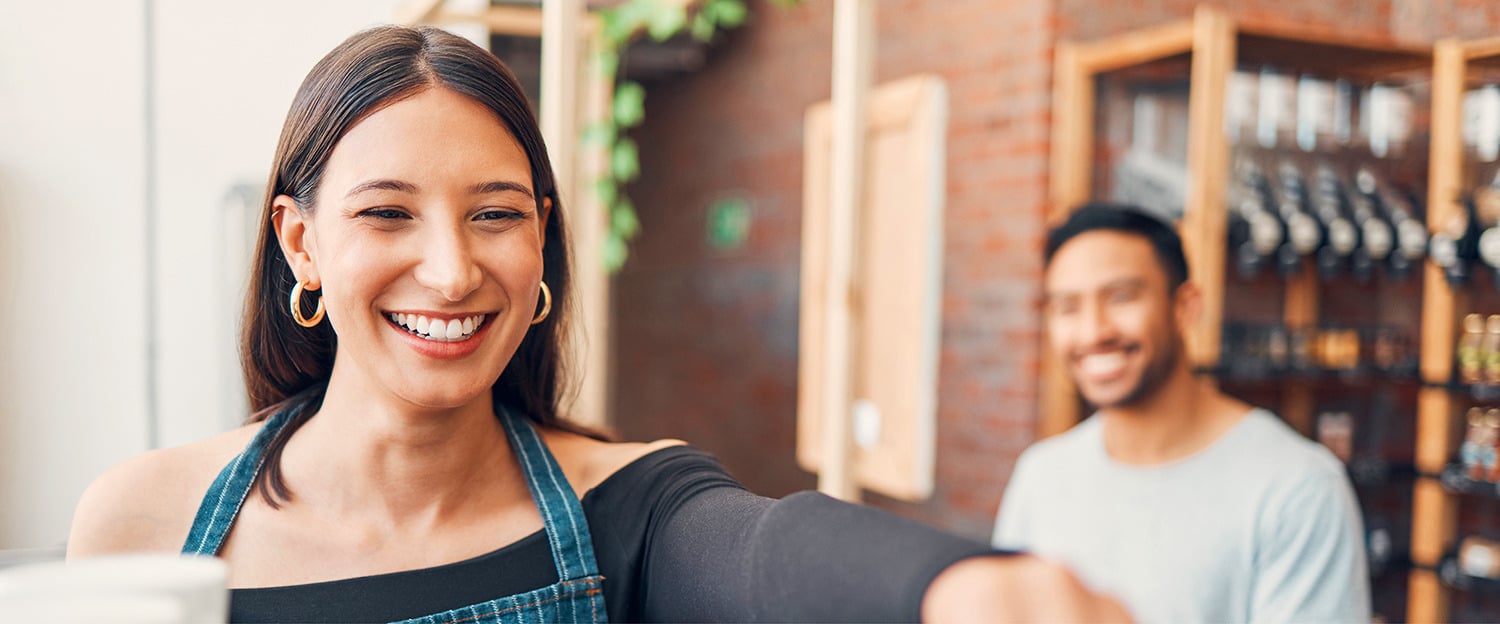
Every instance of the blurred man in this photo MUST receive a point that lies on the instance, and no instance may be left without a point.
(1188, 505)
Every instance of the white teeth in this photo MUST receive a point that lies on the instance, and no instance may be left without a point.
(438, 330)
(1102, 364)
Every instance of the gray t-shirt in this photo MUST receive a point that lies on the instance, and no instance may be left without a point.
(1261, 526)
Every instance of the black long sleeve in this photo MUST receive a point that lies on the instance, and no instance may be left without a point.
(677, 540)
(715, 552)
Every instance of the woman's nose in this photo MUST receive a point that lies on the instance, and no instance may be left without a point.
(448, 266)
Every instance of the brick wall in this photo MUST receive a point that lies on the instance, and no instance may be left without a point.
(1426, 20)
(706, 341)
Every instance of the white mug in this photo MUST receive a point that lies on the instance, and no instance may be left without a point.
(156, 587)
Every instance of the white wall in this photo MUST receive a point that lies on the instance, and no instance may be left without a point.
(76, 357)
(72, 256)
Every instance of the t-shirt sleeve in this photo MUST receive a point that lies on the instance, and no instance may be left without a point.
(715, 552)
(1012, 520)
(1310, 564)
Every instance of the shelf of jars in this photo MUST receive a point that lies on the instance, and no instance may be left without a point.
(1306, 157)
(1274, 352)
(1472, 573)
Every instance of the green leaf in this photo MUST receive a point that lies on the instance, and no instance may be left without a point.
(625, 20)
(607, 63)
(606, 190)
(615, 253)
(630, 104)
(623, 220)
(730, 13)
(625, 160)
(666, 21)
(613, 28)
(702, 27)
(598, 134)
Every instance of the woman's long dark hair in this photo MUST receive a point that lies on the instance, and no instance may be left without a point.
(287, 366)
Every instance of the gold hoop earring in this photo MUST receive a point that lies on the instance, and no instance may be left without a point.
(546, 305)
(296, 303)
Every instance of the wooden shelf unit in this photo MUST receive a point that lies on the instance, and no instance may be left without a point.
(1205, 49)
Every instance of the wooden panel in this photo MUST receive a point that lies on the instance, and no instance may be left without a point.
(588, 227)
(1329, 54)
(501, 20)
(1073, 131)
(1435, 429)
(1433, 510)
(1136, 47)
(1428, 603)
(559, 97)
(1059, 401)
(1301, 305)
(812, 364)
(1433, 518)
(1205, 224)
(1432, 522)
(1068, 187)
(1444, 187)
(898, 285)
(1482, 50)
(853, 44)
(1300, 310)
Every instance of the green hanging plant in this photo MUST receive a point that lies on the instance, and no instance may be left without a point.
(620, 24)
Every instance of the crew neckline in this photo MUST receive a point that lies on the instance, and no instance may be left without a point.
(1215, 447)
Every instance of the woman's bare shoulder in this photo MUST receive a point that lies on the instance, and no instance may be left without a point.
(588, 462)
(147, 502)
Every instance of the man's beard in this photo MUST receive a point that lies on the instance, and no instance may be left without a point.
(1157, 372)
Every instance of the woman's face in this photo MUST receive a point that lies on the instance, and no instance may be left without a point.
(427, 245)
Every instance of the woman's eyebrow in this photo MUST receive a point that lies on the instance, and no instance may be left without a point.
(381, 185)
(501, 187)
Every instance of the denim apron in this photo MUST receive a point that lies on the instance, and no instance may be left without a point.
(577, 596)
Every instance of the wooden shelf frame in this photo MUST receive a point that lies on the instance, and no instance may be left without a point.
(1457, 65)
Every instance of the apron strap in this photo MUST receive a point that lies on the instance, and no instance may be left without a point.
(227, 494)
(562, 513)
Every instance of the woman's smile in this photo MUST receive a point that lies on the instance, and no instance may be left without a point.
(443, 337)
(438, 328)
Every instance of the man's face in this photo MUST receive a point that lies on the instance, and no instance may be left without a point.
(1111, 318)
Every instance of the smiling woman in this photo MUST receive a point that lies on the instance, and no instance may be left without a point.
(443, 231)
(406, 458)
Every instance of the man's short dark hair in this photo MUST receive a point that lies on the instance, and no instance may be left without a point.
(1128, 220)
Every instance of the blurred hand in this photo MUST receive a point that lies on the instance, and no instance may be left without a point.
(1016, 588)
